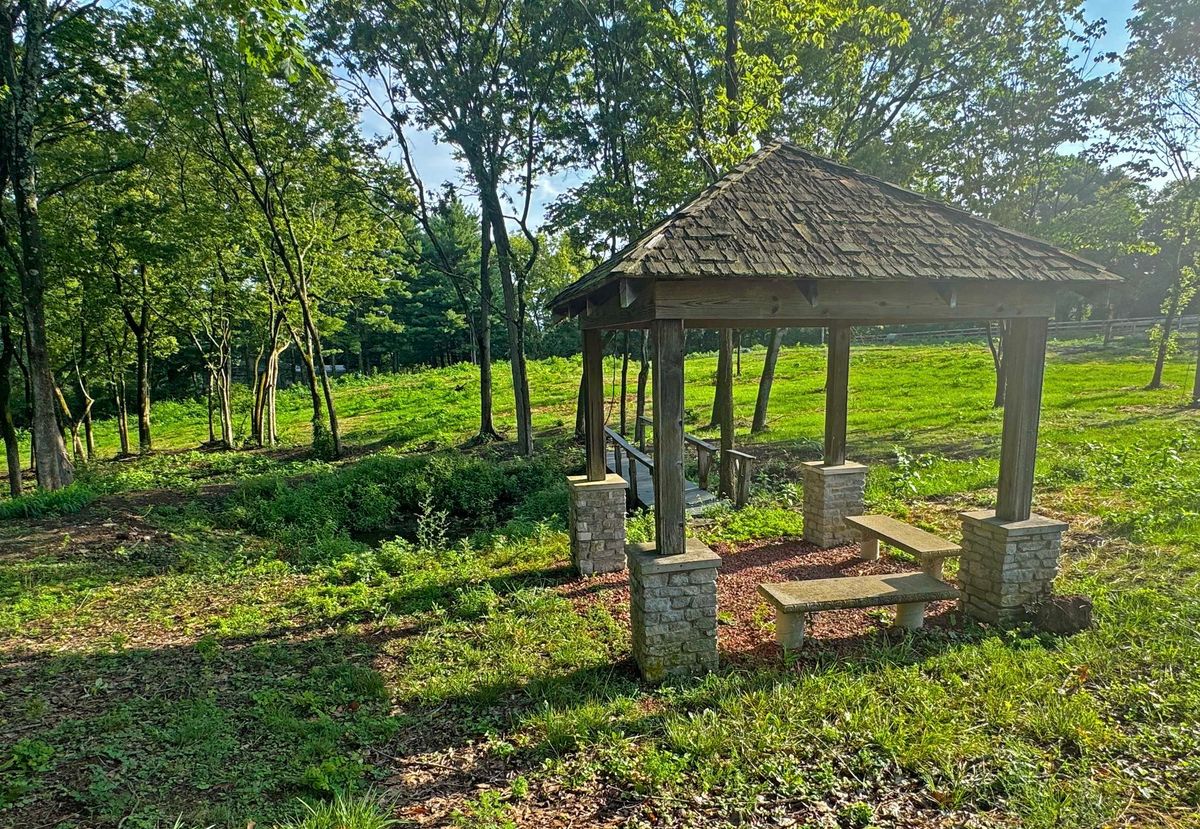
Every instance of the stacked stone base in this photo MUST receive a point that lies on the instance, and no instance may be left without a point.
(830, 494)
(1006, 567)
(673, 610)
(596, 523)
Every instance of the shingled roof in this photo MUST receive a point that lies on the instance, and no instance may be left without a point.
(787, 213)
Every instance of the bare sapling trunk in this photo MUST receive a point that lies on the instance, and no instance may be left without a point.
(318, 357)
(12, 445)
(271, 426)
(624, 384)
(1174, 305)
(225, 405)
(763, 401)
(580, 404)
(1196, 381)
(1164, 336)
(139, 325)
(724, 415)
(118, 390)
(995, 340)
(86, 416)
(643, 379)
(208, 386)
(70, 424)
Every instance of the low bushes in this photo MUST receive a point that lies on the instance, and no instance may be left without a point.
(388, 494)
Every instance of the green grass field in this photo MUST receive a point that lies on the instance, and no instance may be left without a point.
(200, 639)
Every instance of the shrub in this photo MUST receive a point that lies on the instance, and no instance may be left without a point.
(459, 494)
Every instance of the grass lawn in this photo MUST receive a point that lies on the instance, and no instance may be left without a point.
(211, 639)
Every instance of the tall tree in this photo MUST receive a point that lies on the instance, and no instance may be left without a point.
(1155, 116)
(55, 64)
(291, 160)
(490, 78)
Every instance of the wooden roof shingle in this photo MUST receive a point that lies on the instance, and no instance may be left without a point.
(785, 213)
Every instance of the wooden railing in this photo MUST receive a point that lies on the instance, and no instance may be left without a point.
(633, 457)
(706, 453)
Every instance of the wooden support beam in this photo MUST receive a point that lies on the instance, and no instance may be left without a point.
(668, 436)
(593, 403)
(749, 303)
(1024, 365)
(837, 392)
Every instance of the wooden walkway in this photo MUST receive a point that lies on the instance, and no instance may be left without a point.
(695, 499)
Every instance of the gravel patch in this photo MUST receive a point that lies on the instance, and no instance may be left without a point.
(746, 631)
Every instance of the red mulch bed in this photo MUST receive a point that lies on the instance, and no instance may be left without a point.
(745, 635)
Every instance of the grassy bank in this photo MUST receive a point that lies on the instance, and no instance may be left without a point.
(217, 638)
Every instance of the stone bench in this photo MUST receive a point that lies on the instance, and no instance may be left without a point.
(929, 549)
(909, 592)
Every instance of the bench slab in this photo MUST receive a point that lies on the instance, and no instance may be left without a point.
(856, 591)
(908, 538)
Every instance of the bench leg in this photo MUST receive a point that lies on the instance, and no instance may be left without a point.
(933, 567)
(869, 548)
(789, 630)
(910, 616)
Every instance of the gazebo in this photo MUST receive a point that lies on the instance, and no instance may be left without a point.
(791, 239)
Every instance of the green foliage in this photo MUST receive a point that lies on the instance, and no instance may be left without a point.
(367, 811)
(252, 616)
(43, 503)
(401, 494)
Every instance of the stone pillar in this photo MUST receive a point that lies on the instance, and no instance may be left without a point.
(596, 522)
(830, 494)
(1007, 565)
(673, 610)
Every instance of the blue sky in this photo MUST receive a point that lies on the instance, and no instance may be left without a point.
(436, 164)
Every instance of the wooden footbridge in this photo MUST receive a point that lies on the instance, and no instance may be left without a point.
(636, 465)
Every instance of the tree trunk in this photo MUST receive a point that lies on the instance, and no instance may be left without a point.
(1196, 381)
(318, 357)
(483, 332)
(624, 384)
(765, 382)
(86, 416)
(996, 346)
(142, 390)
(724, 414)
(643, 378)
(122, 418)
(223, 381)
(514, 313)
(208, 385)
(70, 424)
(580, 404)
(12, 445)
(1164, 341)
(724, 369)
(20, 112)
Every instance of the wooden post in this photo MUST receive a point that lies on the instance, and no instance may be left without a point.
(633, 501)
(593, 404)
(1024, 365)
(725, 484)
(668, 436)
(837, 390)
